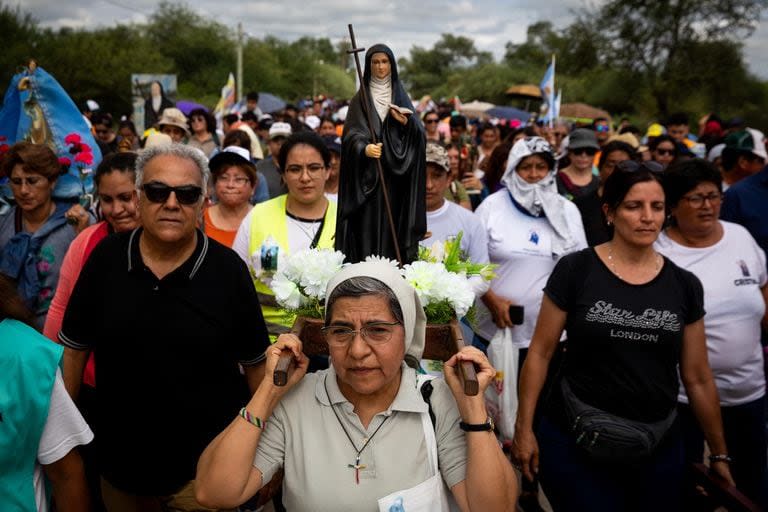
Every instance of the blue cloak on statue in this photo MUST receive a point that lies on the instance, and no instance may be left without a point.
(36, 108)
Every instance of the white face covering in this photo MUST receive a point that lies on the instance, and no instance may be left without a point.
(381, 94)
(540, 198)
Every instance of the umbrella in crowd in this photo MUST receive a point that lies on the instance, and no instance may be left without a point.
(509, 113)
(269, 103)
(188, 106)
(476, 108)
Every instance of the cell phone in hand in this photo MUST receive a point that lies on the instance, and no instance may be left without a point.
(516, 314)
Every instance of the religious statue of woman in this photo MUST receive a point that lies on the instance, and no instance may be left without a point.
(362, 227)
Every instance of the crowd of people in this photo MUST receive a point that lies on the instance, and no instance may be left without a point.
(631, 280)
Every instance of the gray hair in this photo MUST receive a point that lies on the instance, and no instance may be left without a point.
(361, 286)
(177, 150)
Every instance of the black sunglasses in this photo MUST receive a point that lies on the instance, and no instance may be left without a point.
(632, 166)
(581, 151)
(158, 192)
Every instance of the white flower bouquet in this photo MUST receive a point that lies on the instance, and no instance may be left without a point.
(299, 285)
(440, 278)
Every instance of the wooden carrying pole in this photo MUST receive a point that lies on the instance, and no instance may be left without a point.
(466, 369)
(280, 377)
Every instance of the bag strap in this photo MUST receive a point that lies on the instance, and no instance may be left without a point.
(426, 394)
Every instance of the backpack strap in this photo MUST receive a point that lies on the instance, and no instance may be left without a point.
(426, 393)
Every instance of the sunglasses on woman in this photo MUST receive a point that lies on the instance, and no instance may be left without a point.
(582, 151)
(158, 192)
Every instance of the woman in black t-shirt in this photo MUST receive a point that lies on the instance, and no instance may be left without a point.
(632, 316)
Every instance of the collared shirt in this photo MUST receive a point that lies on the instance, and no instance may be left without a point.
(305, 438)
(168, 352)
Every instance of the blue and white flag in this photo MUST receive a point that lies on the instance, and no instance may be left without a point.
(558, 102)
(547, 87)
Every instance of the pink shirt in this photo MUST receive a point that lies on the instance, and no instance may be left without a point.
(76, 256)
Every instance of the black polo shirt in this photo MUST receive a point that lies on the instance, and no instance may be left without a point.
(166, 356)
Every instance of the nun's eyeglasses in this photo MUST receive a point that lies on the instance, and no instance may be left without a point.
(374, 333)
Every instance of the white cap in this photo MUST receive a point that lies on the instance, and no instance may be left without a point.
(716, 152)
(759, 140)
(241, 152)
(92, 105)
(280, 130)
(312, 121)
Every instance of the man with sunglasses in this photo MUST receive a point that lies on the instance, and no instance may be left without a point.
(169, 314)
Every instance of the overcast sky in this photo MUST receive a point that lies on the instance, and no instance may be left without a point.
(399, 23)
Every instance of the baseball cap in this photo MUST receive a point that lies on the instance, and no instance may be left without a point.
(749, 140)
(333, 143)
(312, 121)
(436, 154)
(279, 130)
(231, 155)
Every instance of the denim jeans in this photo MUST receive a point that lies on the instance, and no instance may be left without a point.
(745, 437)
(575, 483)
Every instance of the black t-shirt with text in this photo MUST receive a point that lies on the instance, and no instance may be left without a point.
(624, 340)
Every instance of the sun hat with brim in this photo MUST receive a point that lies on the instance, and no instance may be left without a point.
(229, 156)
(748, 140)
(583, 138)
(627, 138)
(173, 117)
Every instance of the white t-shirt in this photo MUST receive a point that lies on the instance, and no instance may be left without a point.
(446, 222)
(300, 236)
(64, 429)
(522, 247)
(732, 272)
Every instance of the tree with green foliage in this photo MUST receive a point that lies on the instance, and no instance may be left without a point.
(652, 37)
(426, 70)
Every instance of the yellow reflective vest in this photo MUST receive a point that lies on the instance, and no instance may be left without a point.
(269, 219)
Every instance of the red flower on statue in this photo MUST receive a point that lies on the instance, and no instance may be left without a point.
(72, 138)
(84, 158)
(65, 161)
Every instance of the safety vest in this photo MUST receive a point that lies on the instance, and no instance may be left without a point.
(270, 220)
(28, 363)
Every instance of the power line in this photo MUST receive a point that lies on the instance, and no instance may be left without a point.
(126, 7)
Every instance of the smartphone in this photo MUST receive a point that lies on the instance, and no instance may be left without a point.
(516, 314)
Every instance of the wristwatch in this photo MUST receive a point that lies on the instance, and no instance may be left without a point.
(720, 458)
(478, 427)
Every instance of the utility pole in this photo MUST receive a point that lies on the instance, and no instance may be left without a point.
(239, 80)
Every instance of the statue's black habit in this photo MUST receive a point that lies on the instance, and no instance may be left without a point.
(362, 227)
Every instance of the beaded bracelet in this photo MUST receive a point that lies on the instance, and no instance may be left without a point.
(253, 420)
(720, 458)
